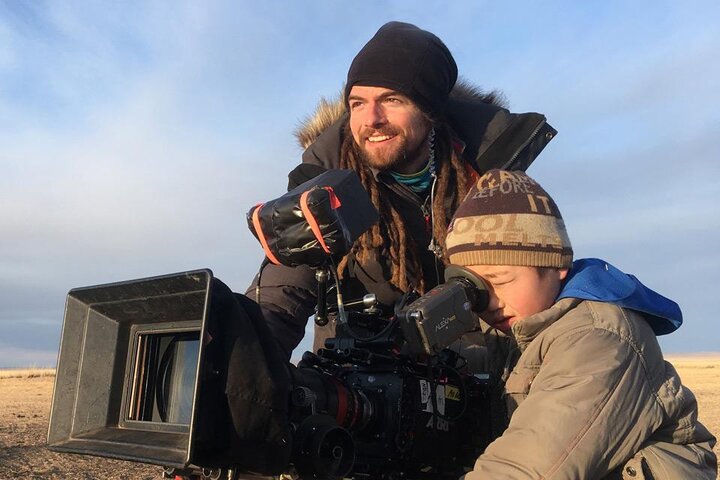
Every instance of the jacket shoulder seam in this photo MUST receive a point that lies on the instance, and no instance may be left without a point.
(632, 343)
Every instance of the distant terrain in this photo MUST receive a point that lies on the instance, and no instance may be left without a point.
(25, 397)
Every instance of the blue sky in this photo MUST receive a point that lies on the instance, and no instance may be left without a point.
(134, 136)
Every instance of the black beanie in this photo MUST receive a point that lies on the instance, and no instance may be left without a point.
(409, 60)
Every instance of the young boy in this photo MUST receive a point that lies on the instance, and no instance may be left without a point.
(590, 396)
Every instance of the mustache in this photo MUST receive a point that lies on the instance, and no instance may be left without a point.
(369, 132)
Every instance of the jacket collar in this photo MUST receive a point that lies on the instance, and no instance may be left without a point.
(526, 330)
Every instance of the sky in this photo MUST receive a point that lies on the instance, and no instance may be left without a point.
(135, 135)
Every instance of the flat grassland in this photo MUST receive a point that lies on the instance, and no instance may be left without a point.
(25, 398)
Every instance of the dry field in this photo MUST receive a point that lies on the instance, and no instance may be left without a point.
(25, 405)
(24, 410)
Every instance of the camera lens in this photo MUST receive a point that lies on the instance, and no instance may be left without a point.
(164, 377)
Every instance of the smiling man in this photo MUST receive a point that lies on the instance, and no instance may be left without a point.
(418, 141)
(389, 129)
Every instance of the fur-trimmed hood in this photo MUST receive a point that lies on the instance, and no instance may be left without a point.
(492, 136)
(330, 110)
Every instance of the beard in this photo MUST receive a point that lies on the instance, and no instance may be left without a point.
(384, 157)
(389, 157)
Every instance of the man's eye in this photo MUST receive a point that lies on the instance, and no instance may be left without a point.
(354, 105)
(393, 100)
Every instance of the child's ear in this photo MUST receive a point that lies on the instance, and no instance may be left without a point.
(563, 273)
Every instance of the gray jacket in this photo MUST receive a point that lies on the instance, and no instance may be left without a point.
(591, 397)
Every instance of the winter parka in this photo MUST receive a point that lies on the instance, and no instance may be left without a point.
(591, 397)
(491, 137)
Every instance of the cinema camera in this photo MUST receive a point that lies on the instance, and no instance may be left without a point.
(180, 372)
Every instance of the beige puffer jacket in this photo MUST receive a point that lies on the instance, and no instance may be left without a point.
(592, 398)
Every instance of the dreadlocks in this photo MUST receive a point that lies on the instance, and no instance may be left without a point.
(402, 250)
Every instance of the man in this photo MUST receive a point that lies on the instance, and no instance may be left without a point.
(417, 141)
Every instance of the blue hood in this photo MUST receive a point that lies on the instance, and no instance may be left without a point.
(597, 280)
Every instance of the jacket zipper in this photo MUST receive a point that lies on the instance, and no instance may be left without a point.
(415, 198)
(525, 144)
(427, 216)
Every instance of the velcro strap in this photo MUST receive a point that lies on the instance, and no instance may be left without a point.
(261, 234)
(312, 221)
(334, 200)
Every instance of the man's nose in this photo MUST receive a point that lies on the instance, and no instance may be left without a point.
(374, 115)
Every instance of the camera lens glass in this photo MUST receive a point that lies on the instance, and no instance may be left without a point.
(164, 377)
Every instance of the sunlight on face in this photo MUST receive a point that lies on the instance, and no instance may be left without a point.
(389, 129)
(518, 292)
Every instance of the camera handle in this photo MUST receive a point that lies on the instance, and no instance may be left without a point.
(322, 274)
(321, 311)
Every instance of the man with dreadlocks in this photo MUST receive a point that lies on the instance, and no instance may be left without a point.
(418, 142)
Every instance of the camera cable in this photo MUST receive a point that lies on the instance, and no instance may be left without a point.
(343, 314)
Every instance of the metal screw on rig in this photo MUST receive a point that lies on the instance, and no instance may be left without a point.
(368, 302)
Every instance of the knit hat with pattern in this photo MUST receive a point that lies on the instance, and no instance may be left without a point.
(507, 218)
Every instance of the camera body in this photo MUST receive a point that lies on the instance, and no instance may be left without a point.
(402, 419)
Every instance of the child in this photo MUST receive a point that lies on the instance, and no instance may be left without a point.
(590, 395)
